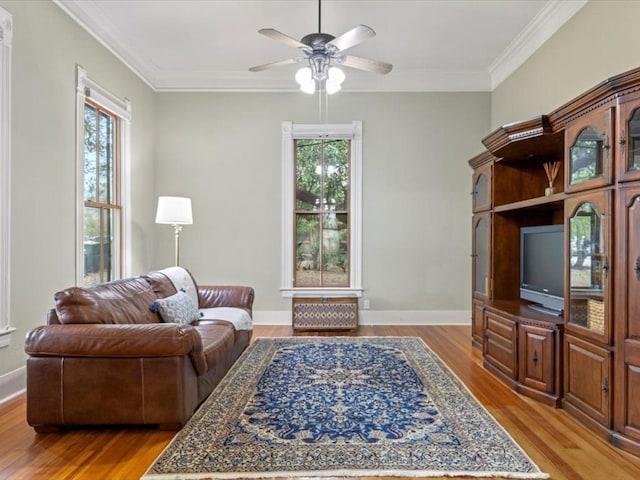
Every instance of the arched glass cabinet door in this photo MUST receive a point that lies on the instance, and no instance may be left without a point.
(588, 269)
(482, 188)
(633, 148)
(589, 155)
(629, 153)
(481, 230)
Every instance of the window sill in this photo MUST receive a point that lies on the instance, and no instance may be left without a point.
(5, 337)
(321, 292)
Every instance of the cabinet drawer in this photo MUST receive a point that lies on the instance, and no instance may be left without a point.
(500, 326)
(499, 343)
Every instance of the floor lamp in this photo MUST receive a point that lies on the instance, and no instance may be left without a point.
(175, 211)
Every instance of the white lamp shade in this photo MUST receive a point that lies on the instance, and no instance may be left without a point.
(174, 210)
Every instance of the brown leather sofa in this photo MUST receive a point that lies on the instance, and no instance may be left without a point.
(106, 358)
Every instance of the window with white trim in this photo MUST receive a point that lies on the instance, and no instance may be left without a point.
(103, 124)
(321, 209)
(6, 36)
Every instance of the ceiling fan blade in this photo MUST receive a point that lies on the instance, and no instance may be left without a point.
(353, 37)
(281, 63)
(367, 64)
(276, 35)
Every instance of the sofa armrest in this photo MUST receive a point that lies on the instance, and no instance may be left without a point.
(117, 341)
(212, 296)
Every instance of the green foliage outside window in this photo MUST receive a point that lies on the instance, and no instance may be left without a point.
(322, 216)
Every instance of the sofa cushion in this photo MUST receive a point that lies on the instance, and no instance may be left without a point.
(217, 342)
(177, 308)
(122, 301)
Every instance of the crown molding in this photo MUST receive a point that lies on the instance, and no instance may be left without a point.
(108, 35)
(544, 25)
(547, 22)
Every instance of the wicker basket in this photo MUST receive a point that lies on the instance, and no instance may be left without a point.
(595, 315)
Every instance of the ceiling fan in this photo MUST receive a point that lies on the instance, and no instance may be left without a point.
(323, 52)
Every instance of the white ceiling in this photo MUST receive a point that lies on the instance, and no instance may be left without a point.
(434, 45)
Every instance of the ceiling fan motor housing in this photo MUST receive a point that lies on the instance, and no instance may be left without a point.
(317, 41)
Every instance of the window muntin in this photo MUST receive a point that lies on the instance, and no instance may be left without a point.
(101, 221)
(321, 248)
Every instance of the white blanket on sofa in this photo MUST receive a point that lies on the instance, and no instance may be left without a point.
(182, 280)
(239, 317)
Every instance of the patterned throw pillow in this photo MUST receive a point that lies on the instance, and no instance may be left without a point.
(178, 308)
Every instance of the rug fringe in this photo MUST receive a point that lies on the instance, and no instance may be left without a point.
(346, 473)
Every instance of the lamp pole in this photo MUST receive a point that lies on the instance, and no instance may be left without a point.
(176, 230)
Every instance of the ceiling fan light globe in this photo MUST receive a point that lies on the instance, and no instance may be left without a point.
(336, 75)
(332, 87)
(309, 87)
(303, 76)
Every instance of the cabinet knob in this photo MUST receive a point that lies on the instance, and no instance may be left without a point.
(535, 358)
(637, 267)
(605, 387)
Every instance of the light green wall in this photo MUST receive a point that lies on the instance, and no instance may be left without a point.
(224, 150)
(47, 45)
(600, 41)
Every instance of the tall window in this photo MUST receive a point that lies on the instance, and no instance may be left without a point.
(322, 213)
(103, 146)
(102, 208)
(321, 209)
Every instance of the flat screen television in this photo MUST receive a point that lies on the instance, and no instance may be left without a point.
(542, 267)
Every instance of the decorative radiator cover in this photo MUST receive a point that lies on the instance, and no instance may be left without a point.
(325, 313)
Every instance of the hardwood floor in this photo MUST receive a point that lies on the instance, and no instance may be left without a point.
(558, 444)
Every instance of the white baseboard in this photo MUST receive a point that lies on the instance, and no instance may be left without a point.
(13, 384)
(379, 317)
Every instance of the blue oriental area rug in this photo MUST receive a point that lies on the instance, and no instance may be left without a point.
(341, 406)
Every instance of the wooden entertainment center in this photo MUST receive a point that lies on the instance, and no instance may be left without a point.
(586, 361)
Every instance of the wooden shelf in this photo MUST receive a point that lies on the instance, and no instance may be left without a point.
(522, 309)
(550, 200)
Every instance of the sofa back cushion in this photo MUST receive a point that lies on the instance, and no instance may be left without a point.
(121, 301)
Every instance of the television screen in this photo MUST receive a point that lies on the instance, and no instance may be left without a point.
(542, 265)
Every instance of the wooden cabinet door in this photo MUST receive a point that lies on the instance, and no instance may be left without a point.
(477, 322)
(588, 276)
(481, 254)
(482, 188)
(627, 362)
(536, 362)
(589, 151)
(628, 152)
(499, 346)
(587, 383)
